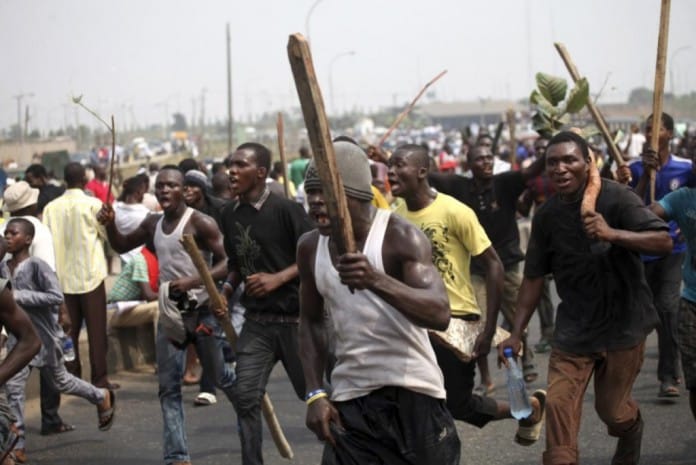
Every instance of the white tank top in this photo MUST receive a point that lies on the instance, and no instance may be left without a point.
(376, 345)
(174, 261)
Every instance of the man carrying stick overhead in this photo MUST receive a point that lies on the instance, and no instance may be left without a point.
(261, 232)
(181, 292)
(663, 273)
(606, 308)
(388, 398)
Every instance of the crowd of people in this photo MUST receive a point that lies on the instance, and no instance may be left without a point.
(438, 238)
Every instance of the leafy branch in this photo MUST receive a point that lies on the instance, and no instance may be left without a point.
(553, 109)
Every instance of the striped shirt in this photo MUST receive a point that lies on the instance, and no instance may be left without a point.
(78, 241)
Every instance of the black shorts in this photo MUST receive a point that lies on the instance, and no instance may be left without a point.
(395, 426)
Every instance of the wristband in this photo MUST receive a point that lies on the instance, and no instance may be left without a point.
(314, 393)
(316, 397)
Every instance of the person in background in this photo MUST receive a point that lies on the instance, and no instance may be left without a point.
(663, 273)
(298, 166)
(37, 177)
(78, 240)
(130, 209)
(99, 185)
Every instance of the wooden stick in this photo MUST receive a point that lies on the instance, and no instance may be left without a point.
(510, 114)
(408, 109)
(659, 88)
(113, 158)
(496, 137)
(320, 138)
(594, 111)
(280, 127)
(216, 301)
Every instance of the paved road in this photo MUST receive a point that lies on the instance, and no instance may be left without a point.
(670, 432)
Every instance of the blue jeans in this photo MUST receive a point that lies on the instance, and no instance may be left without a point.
(209, 341)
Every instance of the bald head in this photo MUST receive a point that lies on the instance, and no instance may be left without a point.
(416, 155)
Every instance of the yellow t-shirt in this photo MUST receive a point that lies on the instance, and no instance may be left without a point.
(378, 199)
(456, 235)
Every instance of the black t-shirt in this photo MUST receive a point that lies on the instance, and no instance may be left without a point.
(264, 241)
(606, 303)
(496, 210)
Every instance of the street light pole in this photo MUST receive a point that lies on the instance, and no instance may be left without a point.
(309, 14)
(229, 93)
(671, 67)
(331, 88)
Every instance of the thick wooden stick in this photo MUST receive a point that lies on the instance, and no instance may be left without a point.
(216, 301)
(594, 111)
(408, 109)
(320, 138)
(659, 88)
(280, 127)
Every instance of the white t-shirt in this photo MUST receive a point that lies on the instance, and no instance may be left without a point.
(128, 217)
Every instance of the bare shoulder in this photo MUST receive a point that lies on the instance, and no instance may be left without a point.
(404, 240)
(203, 224)
(307, 247)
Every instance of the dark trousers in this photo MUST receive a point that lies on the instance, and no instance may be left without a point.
(459, 384)
(50, 403)
(664, 277)
(90, 307)
(260, 347)
(394, 426)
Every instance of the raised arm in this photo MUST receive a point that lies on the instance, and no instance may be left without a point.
(412, 286)
(123, 243)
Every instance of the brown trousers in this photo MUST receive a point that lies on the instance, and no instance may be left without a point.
(90, 307)
(569, 375)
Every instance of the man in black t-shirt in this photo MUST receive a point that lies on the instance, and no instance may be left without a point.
(606, 308)
(494, 199)
(37, 177)
(261, 231)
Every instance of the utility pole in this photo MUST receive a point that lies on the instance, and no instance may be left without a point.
(20, 126)
(229, 93)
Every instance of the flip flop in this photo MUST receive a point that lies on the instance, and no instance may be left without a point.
(529, 434)
(106, 417)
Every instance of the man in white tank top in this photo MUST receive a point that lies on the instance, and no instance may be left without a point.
(387, 403)
(176, 267)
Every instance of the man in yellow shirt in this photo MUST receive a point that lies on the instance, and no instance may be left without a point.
(456, 235)
(81, 267)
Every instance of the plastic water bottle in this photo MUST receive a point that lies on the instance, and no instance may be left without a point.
(519, 401)
(68, 350)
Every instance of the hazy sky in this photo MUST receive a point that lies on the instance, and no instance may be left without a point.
(146, 58)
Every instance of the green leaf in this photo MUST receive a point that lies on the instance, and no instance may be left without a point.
(541, 103)
(541, 122)
(590, 131)
(553, 88)
(578, 96)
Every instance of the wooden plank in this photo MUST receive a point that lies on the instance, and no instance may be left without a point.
(216, 301)
(659, 88)
(594, 111)
(317, 125)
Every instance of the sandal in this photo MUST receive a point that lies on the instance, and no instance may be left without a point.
(530, 373)
(106, 416)
(527, 434)
(58, 429)
(6, 456)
